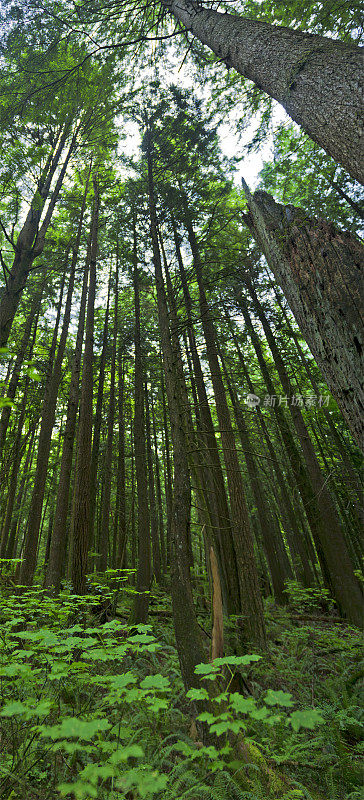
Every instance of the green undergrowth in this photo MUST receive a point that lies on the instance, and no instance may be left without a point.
(95, 709)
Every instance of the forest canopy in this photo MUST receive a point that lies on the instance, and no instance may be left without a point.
(181, 400)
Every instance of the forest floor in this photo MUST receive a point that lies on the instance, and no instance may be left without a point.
(93, 709)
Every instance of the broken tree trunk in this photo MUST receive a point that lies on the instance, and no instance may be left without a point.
(319, 269)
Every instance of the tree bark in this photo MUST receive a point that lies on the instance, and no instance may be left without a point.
(327, 525)
(318, 268)
(44, 444)
(105, 515)
(143, 578)
(20, 356)
(81, 506)
(317, 80)
(30, 242)
(188, 637)
(223, 535)
(252, 608)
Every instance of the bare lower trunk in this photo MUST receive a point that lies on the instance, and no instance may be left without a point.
(318, 81)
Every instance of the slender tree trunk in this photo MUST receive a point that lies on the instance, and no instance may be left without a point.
(168, 473)
(105, 516)
(16, 461)
(223, 535)
(11, 543)
(252, 608)
(57, 553)
(143, 578)
(30, 242)
(158, 492)
(296, 536)
(120, 484)
(81, 505)
(97, 426)
(279, 571)
(20, 356)
(188, 636)
(317, 80)
(152, 495)
(327, 526)
(318, 268)
(44, 444)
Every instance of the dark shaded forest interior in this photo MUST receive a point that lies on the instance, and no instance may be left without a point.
(181, 400)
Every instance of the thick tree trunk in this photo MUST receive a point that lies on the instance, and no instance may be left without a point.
(317, 80)
(319, 270)
(141, 603)
(355, 482)
(81, 505)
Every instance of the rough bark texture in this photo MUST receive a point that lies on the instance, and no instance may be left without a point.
(318, 81)
(320, 271)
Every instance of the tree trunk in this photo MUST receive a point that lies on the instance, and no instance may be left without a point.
(188, 637)
(141, 603)
(120, 520)
(317, 80)
(105, 516)
(270, 532)
(44, 444)
(159, 493)
(20, 356)
(152, 495)
(327, 526)
(318, 268)
(57, 552)
(252, 608)
(93, 538)
(223, 534)
(30, 242)
(81, 505)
